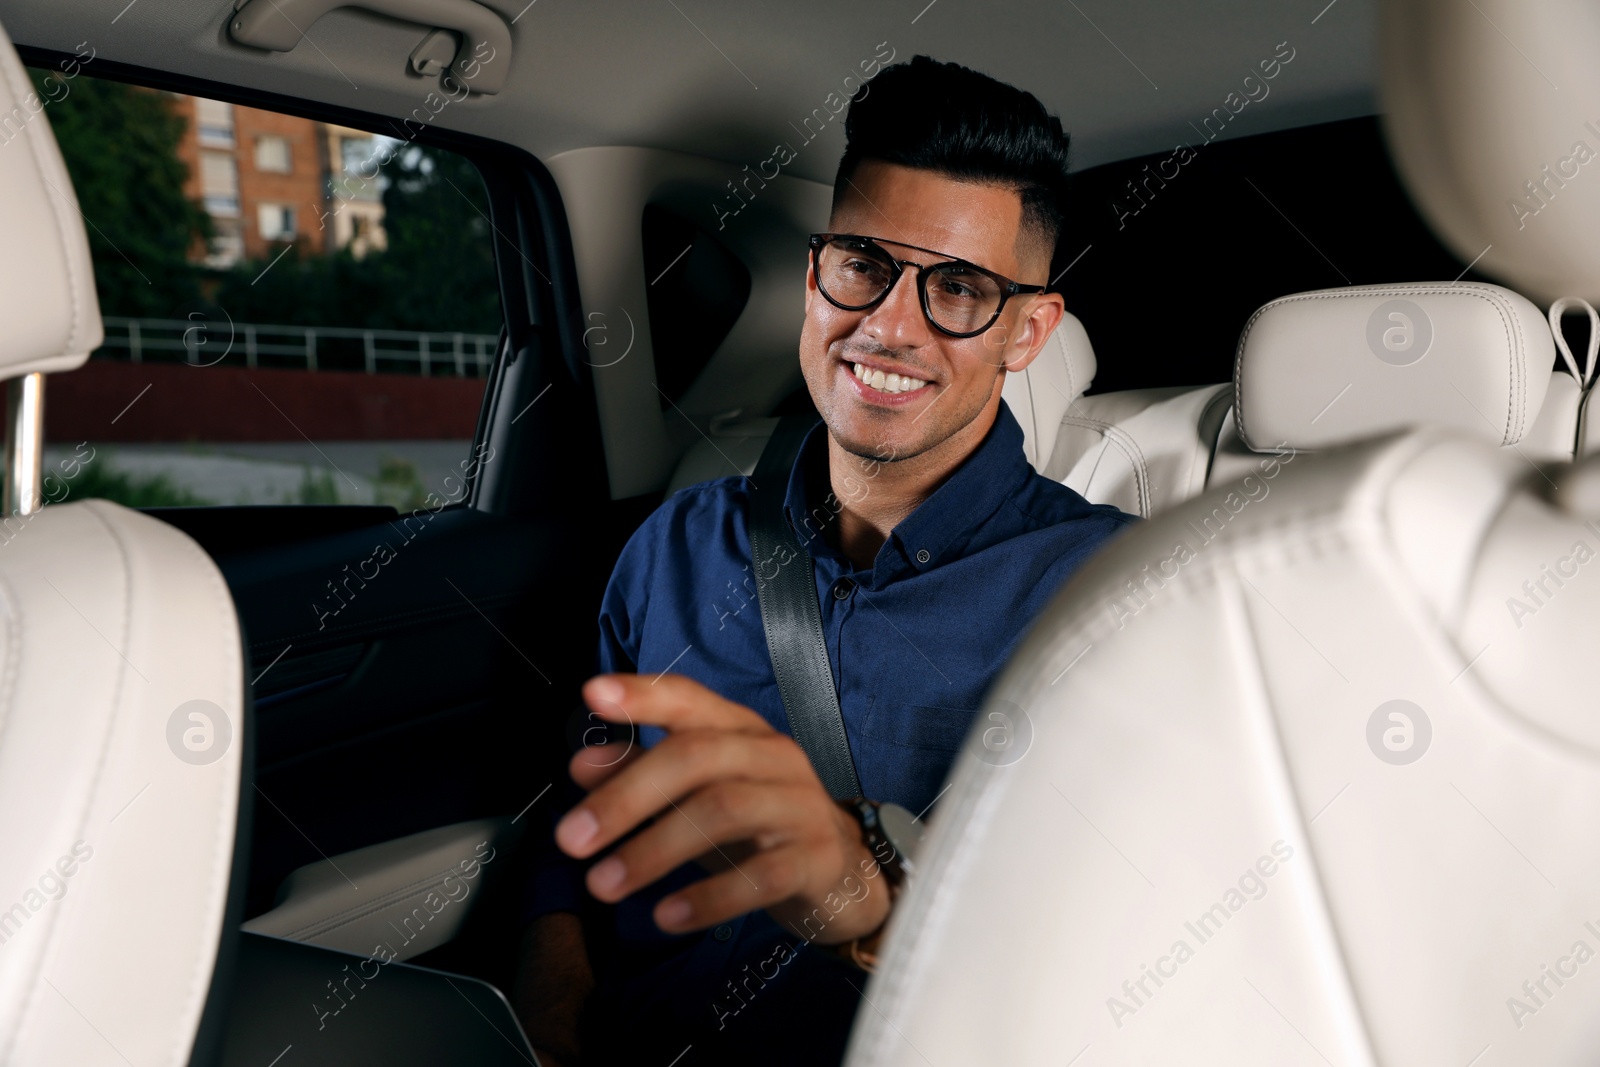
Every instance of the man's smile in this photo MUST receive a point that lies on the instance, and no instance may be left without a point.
(883, 383)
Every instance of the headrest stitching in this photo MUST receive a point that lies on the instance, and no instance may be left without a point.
(1494, 297)
(40, 144)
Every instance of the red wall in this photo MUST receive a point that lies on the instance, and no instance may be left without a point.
(209, 404)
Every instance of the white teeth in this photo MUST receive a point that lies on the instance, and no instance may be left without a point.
(886, 383)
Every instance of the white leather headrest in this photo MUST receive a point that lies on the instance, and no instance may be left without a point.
(1488, 112)
(47, 296)
(1336, 365)
(1040, 395)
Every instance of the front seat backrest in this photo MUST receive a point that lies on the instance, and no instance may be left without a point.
(121, 699)
(1348, 819)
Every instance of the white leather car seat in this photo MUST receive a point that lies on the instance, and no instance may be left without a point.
(121, 701)
(1346, 821)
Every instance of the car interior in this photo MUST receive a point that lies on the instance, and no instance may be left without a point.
(347, 344)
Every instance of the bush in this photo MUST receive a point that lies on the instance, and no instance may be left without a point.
(130, 490)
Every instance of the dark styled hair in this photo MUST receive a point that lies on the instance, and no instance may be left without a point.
(948, 118)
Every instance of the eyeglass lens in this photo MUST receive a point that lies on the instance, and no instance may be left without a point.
(856, 273)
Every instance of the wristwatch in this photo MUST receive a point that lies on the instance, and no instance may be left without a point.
(893, 835)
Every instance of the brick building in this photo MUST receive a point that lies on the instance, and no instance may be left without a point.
(266, 180)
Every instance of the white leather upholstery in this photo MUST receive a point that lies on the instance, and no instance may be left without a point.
(1141, 449)
(1224, 860)
(411, 894)
(47, 295)
(1041, 394)
(1487, 110)
(117, 851)
(1309, 372)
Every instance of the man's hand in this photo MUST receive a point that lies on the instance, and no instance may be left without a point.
(725, 788)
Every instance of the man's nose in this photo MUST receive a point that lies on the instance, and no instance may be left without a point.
(898, 322)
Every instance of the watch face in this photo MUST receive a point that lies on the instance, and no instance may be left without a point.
(904, 832)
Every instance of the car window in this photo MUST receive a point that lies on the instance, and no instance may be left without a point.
(296, 312)
(696, 293)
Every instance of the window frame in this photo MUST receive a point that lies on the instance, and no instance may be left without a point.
(542, 330)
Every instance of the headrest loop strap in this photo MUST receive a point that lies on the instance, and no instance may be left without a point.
(1585, 379)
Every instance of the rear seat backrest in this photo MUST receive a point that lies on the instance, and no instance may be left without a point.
(1042, 394)
(1328, 367)
(1141, 449)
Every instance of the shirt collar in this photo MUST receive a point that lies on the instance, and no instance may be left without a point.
(940, 527)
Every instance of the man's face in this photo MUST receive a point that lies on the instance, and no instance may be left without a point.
(978, 223)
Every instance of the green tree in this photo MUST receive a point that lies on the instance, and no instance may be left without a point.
(436, 273)
(120, 144)
(440, 258)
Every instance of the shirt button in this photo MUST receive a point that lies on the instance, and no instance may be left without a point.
(723, 932)
(842, 588)
(923, 556)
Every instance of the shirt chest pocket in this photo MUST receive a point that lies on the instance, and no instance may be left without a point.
(917, 727)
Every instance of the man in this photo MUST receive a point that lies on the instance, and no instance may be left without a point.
(935, 545)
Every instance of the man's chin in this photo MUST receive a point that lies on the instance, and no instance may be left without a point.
(880, 443)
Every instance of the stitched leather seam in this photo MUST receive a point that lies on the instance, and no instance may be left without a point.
(37, 148)
(53, 920)
(1223, 397)
(1130, 448)
(224, 840)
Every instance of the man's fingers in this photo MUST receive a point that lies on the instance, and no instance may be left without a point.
(667, 700)
(675, 768)
(706, 824)
(594, 765)
(765, 878)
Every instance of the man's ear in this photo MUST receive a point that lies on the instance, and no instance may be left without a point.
(1033, 330)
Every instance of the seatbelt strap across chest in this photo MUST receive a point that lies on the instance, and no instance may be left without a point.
(786, 588)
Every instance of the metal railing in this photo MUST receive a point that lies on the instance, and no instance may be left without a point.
(208, 343)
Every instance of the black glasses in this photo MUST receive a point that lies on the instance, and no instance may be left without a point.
(958, 298)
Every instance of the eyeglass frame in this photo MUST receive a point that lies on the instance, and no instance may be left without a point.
(1008, 288)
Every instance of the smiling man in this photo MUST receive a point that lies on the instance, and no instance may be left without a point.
(745, 903)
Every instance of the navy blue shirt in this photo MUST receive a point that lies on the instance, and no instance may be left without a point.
(915, 640)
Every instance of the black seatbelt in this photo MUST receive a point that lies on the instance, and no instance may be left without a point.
(787, 592)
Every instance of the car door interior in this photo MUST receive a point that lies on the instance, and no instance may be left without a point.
(428, 682)
(417, 670)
